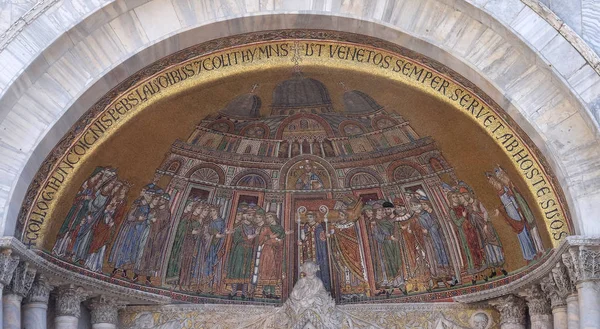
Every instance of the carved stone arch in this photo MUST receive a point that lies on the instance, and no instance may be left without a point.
(286, 122)
(265, 176)
(355, 171)
(398, 163)
(345, 123)
(217, 169)
(228, 122)
(286, 168)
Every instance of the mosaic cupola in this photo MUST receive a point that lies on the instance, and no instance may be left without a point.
(358, 103)
(300, 94)
(243, 107)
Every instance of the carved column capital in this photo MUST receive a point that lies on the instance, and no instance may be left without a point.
(40, 290)
(21, 281)
(550, 288)
(511, 308)
(537, 301)
(68, 300)
(8, 264)
(582, 263)
(104, 310)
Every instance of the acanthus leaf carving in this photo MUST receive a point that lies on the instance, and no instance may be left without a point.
(550, 288)
(22, 280)
(8, 264)
(537, 301)
(40, 290)
(512, 309)
(104, 310)
(68, 300)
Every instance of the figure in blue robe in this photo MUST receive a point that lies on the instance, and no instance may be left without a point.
(314, 248)
(126, 247)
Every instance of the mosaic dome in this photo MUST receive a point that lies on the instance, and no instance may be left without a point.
(244, 106)
(300, 91)
(357, 102)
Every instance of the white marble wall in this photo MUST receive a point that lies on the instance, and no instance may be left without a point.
(73, 53)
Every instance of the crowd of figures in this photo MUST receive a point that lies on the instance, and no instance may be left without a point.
(99, 222)
(364, 247)
(255, 259)
(197, 246)
(411, 244)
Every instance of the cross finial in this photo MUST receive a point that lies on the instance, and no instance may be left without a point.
(296, 58)
(254, 86)
(343, 85)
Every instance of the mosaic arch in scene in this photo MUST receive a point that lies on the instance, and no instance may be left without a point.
(398, 177)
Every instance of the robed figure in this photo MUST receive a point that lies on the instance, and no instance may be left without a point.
(510, 214)
(240, 265)
(174, 264)
(105, 229)
(193, 247)
(160, 223)
(126, 249)
(433, 237)
(472, 251)
(491, 242)
(79, 210)
(522, 206)
(313, 244)
(387, 260)
(270, 249)
(214, 237)
(95, 213)
(346, 251)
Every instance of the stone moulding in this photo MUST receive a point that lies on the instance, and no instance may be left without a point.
(99, 287)
(532, 277)
(61, 275)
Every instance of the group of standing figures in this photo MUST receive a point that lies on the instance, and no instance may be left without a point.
(415, 242)
(89, 230)
(413, 248)
(255, 258)
(197, 247)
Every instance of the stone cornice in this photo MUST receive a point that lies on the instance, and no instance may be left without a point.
(133, 296)
(533, 277)
(58, 275)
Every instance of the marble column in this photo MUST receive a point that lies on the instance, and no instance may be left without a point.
(68, 306)
(35, 306)
(558, 302)
(583, 264)
(8, 264)
(540, 312)
(512, 311)
(104, 312)
(572, 312)
(13, 295)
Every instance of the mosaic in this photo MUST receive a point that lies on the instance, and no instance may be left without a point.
(299, 168)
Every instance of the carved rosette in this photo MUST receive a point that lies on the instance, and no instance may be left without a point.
(104, 310)
(22, 280)
(68, 301)
(40, 291)
(537, 301)
(8, 264)
(511, 308)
